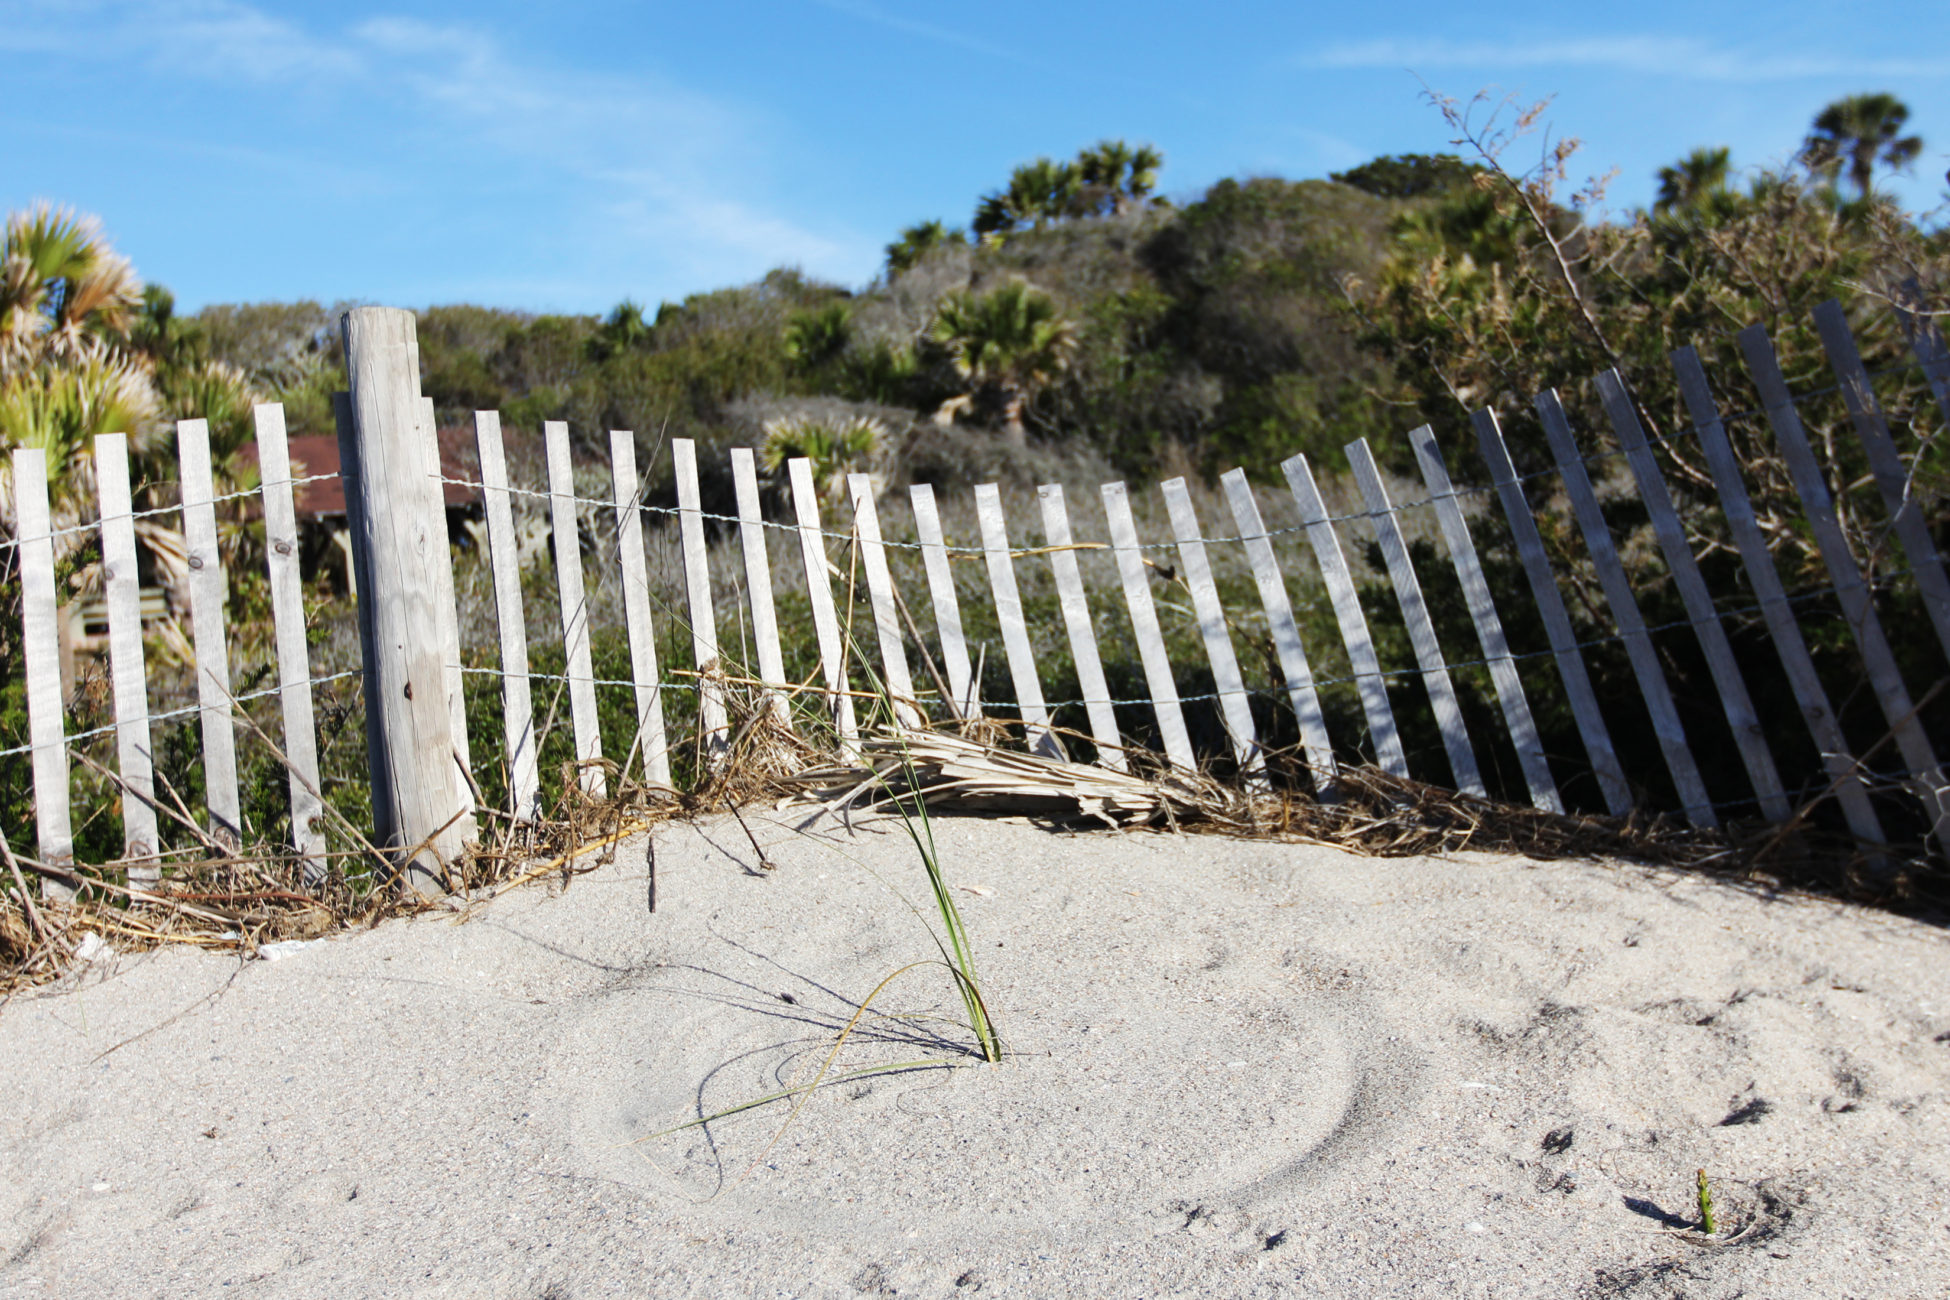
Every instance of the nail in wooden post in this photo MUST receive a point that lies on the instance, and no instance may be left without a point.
(1583, 699)
(208, 593)
(1809, 693)
(297, 718)
(819, 591)
(1858, 607)
(1015, 633)
(1083, 633)
(947, 608)
(1489, 628)
(1144, 627)
(1748, 735)
(504, 555)
(122, 590)
(1666, 726)
(1886, 464)
(895, 675)
(40, 632)
(758, 579)
(566, 535)
(1286, 633)
(1347, 612)
(1415, 614)
(650, 740)
(1235, 706)
(420, 801)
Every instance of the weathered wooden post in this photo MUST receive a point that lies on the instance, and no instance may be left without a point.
(420, 800)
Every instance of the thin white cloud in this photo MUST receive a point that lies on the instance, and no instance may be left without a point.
(1681, 58)
(664, 181)
(871, 13)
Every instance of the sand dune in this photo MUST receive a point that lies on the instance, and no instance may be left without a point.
(1236, 1069)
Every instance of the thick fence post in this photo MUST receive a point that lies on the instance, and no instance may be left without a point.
(419, 797)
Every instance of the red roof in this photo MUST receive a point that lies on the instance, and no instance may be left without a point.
(313, 454)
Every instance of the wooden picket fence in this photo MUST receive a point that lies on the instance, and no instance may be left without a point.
(392, 479)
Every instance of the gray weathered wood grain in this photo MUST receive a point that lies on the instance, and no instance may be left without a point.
(947, 607)
(1858, 607)
(895, 674)
(1809, 693)
(1235, 706)
(1489, 627)
(1082, 631)
(819, 591)
(1612, 785)
(1886, 464)
(1370, 684)
(41, 646)
(1651, 675)
(646, 682)
(1158, 678)
(504, 558)
(1015, 633)
(446, 602)
(1286, 632)
(209, 591)
(1415, 615)
(1748, 735)
(122, 590)
(752, 545)
(573, 599)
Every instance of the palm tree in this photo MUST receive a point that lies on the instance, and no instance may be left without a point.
(1011, 339)
(63, 290)
(813, 338)
(1039, 192)
(1694, 181)
(623, 330)
(836, 448)
(916, 242)
(1116, 176)
(1858, 132)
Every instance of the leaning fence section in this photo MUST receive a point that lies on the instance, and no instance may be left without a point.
(915, 667)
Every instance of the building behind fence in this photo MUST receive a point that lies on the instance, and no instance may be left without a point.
(917, 666)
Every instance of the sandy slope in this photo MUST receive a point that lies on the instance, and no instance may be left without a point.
(1240, 1069)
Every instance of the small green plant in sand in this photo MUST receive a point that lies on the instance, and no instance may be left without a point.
(1705, 1205)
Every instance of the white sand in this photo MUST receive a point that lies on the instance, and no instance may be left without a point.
(1242, 1069)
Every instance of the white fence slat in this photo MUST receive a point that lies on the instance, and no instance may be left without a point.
(758, 577)
(1015, 633)
(1666, 724)
(1286, 632)
(1748, 734)
(504, 557)
(895, 675)
(1415, 613)
(1144, 627)
(1858, 607)
(1799, 665)
(208, 593)
(1083, 633)
(1617, 791)
(947, 608)
(446, 602)
(819, 591)
(566, 539)
(651, 740)
(1235, 706)
(713, 723)
(40, 633)
(1489, 628)
(122, 589)
(1373, 688)
(1886, 464)
(287, 583)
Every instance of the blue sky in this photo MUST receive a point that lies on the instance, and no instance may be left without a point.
(565, 156)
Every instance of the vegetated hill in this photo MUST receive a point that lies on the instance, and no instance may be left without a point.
(1201, 337)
